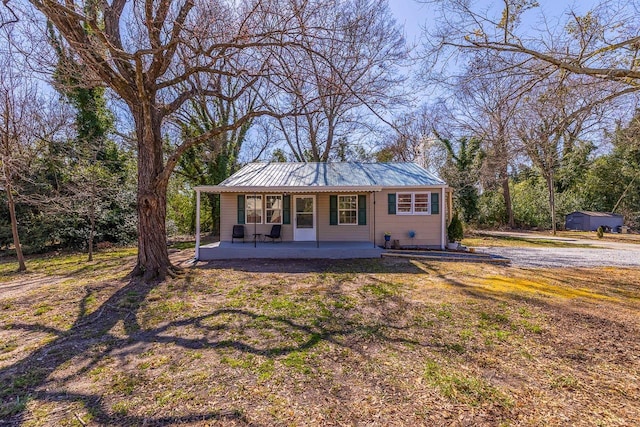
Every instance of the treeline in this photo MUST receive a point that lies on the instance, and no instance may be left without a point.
(525, 125)
(530, 122)
(604, 182)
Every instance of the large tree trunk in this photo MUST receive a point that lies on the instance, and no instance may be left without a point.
(153, 256)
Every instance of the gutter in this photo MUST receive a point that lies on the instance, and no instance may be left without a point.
(286, 189)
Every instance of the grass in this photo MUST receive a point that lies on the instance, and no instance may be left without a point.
(480, 239)
(375, 342)
(591, 235)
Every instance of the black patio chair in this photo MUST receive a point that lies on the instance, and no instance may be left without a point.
(275, 233)
(238, 232)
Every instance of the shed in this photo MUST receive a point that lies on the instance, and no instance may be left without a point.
(590, 221)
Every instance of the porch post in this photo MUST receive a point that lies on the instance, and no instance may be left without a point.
(373, 217)
(443, 221)
(197, 224)
(316, 212)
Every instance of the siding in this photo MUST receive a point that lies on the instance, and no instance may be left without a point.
(427, 227)
(229, 217)
(326, 232)
(341, 233)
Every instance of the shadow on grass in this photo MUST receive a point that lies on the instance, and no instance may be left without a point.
(355, 266)
(92, 339)
(539, 291)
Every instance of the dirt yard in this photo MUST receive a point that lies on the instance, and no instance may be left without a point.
(298, 343)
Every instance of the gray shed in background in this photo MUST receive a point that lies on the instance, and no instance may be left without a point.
(590, 221)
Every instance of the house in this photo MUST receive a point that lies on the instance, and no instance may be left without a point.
(590, 221)
(334, 202)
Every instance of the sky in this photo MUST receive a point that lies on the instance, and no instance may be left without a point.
(414, 15)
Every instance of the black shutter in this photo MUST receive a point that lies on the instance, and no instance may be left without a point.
(333, 210)
(362, 209)
(240, 208)
(435, 203)
(392, 204)
(286, 209)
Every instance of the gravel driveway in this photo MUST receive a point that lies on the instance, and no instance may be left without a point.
(568, 257)
(606, 254)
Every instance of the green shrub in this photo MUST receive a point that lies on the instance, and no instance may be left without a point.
(600, 232)
(455, 230)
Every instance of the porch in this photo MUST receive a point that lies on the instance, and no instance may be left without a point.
(288, 250)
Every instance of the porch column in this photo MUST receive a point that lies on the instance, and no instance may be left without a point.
(373, 216)
(443, 210)
(197, 225)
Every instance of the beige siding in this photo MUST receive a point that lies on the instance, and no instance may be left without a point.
(341, 233)
(326, 232)
(229, 218)
(427, 227)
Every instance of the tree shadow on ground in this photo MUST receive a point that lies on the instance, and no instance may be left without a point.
(374, 265)
(92, 339)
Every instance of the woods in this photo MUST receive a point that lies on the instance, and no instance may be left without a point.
(135, 103)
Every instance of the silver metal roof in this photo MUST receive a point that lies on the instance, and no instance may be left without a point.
(600, 214)
(326, 177)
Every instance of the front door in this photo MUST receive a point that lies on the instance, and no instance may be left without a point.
(304, 222)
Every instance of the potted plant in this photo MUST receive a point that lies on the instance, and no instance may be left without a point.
(455, 232)
(387, 236)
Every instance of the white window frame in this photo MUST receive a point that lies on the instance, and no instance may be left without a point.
(281, 209)
(398, 211)
(246, 208)
(345, 210)
(413, 203)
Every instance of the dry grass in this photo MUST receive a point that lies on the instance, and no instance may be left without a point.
(380, 342)
(592, 235)
(480, 239)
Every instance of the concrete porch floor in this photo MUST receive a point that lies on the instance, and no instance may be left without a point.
(289, 250)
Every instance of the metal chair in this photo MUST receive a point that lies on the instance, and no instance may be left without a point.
(275, 233)
(238, 232)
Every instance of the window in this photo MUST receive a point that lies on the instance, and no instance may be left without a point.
(254, 209)
(348, 210)
(412, 204)
(273, 209)
(421, 203)
(404, 203)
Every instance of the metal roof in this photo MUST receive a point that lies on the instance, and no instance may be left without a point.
(599, 214)
(326, 177)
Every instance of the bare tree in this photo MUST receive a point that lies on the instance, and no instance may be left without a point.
(550, 121)
(156, 55)
(411, 138)
(15, 142)
(603, 43)
(487, 102)
(26, 121)
(335, 98)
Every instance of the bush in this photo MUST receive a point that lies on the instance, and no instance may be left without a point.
(600, 232)
(455, 231)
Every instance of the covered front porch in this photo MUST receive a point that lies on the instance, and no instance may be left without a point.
(287, 250)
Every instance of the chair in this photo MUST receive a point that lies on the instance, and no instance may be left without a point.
(275, 233)
(238, 232)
